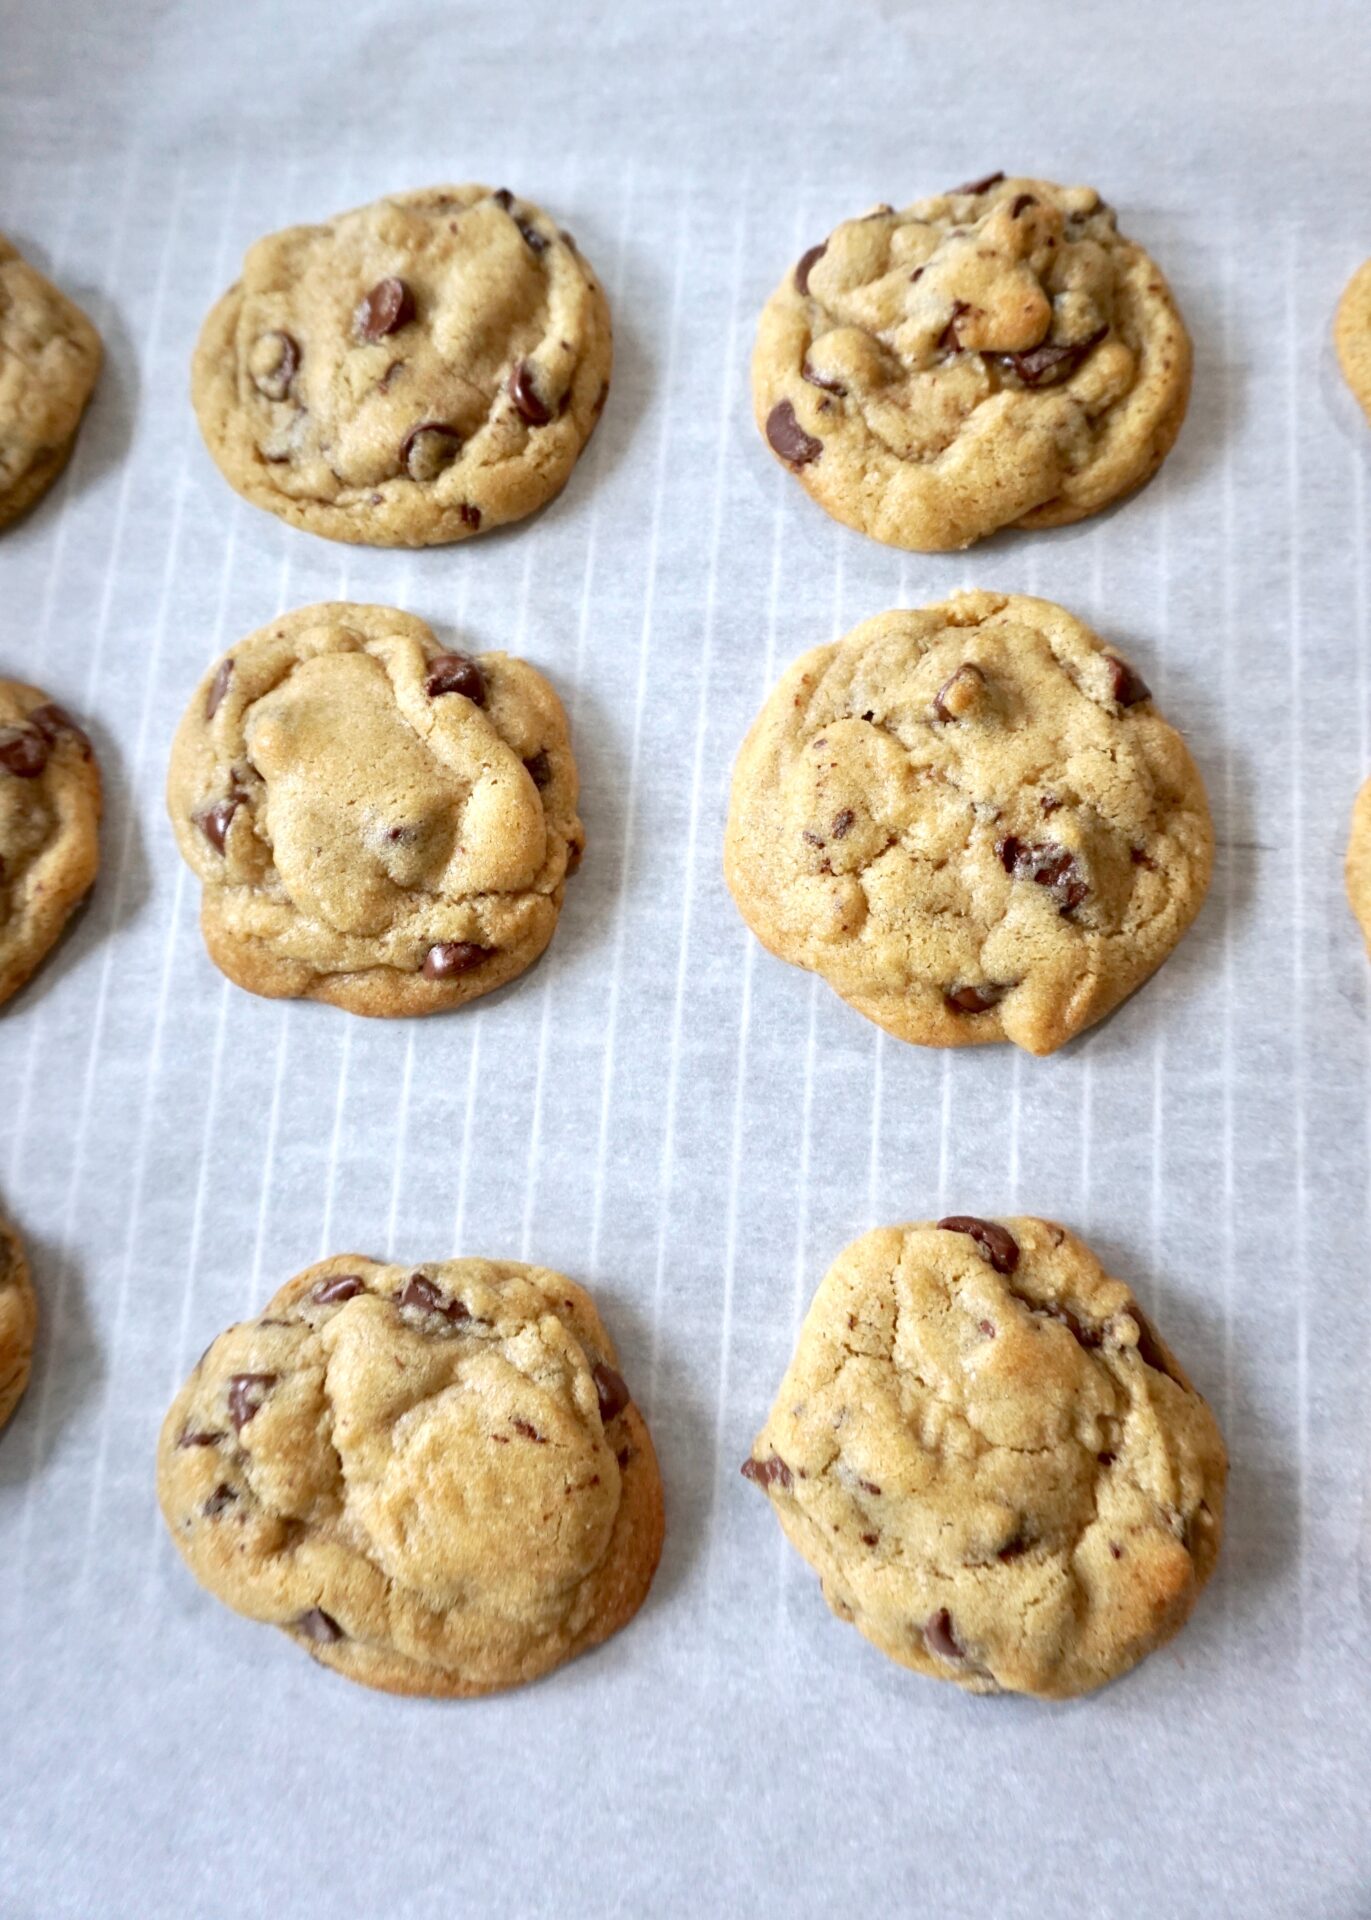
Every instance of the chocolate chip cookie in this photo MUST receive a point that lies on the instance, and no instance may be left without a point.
(377, 821)
(1352, 336)
(999, 1472)
(972, 821)
(18, 1320)
(49, 359)
(435, 1480)
(1357, 870)
(996, 356)
(49, 827)
(408, 374)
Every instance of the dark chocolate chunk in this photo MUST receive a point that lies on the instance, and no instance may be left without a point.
(806, 261)
(959, 694)
(613, 1393)
(191, 1438)
(974, 998)
(419, 1292)
(1044, 366)
(452, 957)
(998, 1245)
(539, 768)
(388, 307)
(455, 673)
(1047, 865)
(1020, 204)
(788, 438)
(524, 393)
(1127, 686)
(339, 1287)
(842, 823)
(766, 1473)
(223, 1496)
(214, 822)
(978, 186)
(823, 380)
(470, 516)
(23, 752)
(429, 449)
(246, 1393)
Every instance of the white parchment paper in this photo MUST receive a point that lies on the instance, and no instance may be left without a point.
(661, 1110)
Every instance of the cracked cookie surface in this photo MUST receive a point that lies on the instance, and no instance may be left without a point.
(377, 821)
(49, 359)
(409, 374)
(997, 1469)
(18, 1321)
(972, 821)
(49, 827)
(434, 1480)
(996, 356)
(1352, 336)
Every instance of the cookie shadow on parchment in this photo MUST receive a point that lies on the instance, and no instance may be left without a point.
(68, 1365)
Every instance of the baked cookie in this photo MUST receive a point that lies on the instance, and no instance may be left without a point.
(1357, 869)
(998, 1471)
(49, 359)
(49, 827)
(376, 821)
(18, 1320)
(435, 1481)
(997, 356)
(972, 821)
(1352, 336)
(413, 372)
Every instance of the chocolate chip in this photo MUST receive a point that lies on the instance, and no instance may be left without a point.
(429, 450)
(1021, 203)
(198, 1439)
(52, 721)
(1127, 686)
(998, 1245)
(788, 438)
(806, 262)
(949, 340)
(987, 1327)
(973, 999)
(868, 1486)
(246, 1392)
(842, 823)
(1083, 1335)
(503, 198)
(1047, 865)
(455, 673)
(451, 957)
(273, 363)
(1116, 1550)
(529, 1431)
(1044, 366)
(960, 694)
(823, 380)
(419, 1292)
(388, 307)
(341, 1286)
(613, 1392)
(524, 394)
(539, 768)
(766, 1473)
(469, 516)
(223, 1496)
(940, 1637)
(870, 1539)
(624, 1455)
(1049, 803)
(1013, 1549)
(978, 186)
(537, 241)
(218, 687)
(214, 822)
(23, 752)
(320, 1626)
(1106, 1459)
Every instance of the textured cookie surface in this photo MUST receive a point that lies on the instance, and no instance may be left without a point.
(1358, 866)
(49, 827)
(409, 374)
(1000, 1474)
(376, 821)
(972, 821)
(996, 356)
(18, 1319)
(49, 359)
(434, 1480)
(1352, 335)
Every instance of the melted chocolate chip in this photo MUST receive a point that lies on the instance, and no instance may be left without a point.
(419, 1292)
(539, 768)
(1047, 865)
(997, 1244)
(429, 449)
(503, 198)
(948, 339)
(455, 673)
(959, 694)
(1014, 1549)
(452, 957)
(198, 1439)
(940, 1637)
(842, 823)
(214, 822)
(469, 516)
(766, 1473)
(612, 1390)
(537, 241)
(823, 380)
(246, 1392)
(1106, 1459)
(806, 262)
(339, 1287)
(1044, 366)
(1127, 686)
(388, 307)
(974, 998)
(788, 438)
(978, 186)
(23, 752)
(524, 394)
(218, 687)
(223, 1496)
(1020, 204)
(274, 363)
(320, 1626)
(870, 1539)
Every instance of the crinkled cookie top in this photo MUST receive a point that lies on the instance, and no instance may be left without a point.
(49, 359)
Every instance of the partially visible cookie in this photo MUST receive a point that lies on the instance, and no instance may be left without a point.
(1357, 869)
(995, 356)
(435, 1481)
(49, 359)
(409, 374)
(49, 827)
(999, 1472)
(18, 1321)
(376, 821)
(1352, 335)
(972, 821)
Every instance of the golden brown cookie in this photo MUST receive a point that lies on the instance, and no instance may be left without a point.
(999, 1472)
(18, 1321)
(996, 356)
(49, 827)
(49, 360)
(410, 373)
(377, 821)
(435, 1481)
(972, 821)
(1352, 335)
(1357, 870)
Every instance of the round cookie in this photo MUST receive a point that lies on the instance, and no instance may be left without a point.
(18, 1321)
(49, 359)
(49, 827)
(377, 822)
(1352, 335)
(409, 374)
(999, 1472)
(1357, 869)
(972, 821)
(435, 1481)
(996, 356)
